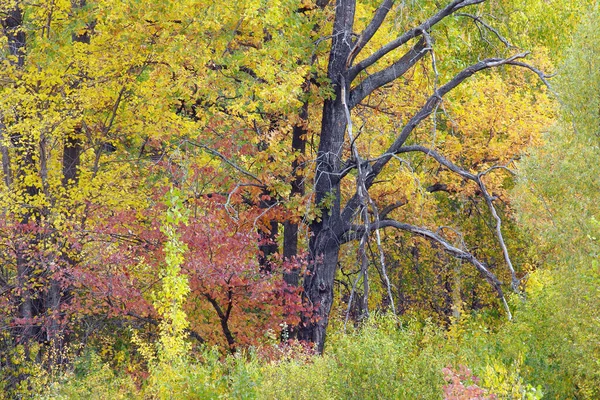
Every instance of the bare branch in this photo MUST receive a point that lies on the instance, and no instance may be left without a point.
(487, 26)
(425, 111)
(449, 248)
(370, 30)
(226, 160)
(486, 195)
(363, 194)
(543, 77)
(365, 198)
(388, 209)
(490, 203)
(389, 74)
(439, 158)
(431, 104)
(413, 33)
(228, 205)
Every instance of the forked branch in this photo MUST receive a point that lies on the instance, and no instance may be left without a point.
(449, 248)
(389, 74)
(370, 30)
(404, 38)
(428, 108)
(489, 199)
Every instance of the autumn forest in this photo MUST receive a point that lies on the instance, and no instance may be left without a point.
(299, 199)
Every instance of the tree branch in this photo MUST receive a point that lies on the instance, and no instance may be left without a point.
(370, 30)
(425, 111)
(486, 26)
(389, 74)
(417, 31)
(440, 159)
(449, 248)
(486, 195)
(226, 160)
(365, 199)
(388, 209)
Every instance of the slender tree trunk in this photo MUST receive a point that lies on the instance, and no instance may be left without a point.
(299, 135)
(6, 170)
(290, 233)
(12, 27)
(72, 148)
(268, 238)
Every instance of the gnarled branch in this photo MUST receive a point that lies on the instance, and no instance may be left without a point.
(489, 199)
(449, 248)
(425, 111)
(413, 33)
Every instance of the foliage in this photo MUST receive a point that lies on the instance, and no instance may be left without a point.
(175, 287)
(520, 360)
(234, 301)
(456, 389)
(91, 378)
(149, 162)
(556, 193)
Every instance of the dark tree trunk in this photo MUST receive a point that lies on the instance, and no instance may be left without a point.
(72, 149)
(334, 224)
(268, 237)
(290, 233)
(24, 160)
(324, 243)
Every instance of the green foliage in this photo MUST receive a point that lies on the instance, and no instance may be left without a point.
(91, 379)
(378, 360)
(550, 349)
(557, 192)
(186, 380)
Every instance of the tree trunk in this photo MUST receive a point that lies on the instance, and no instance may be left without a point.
(324, 243)
(72, 148)
(12, 27)
(290, 233)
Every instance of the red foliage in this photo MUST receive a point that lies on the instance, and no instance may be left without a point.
(229, 289)
(108, 269)
(462, 385)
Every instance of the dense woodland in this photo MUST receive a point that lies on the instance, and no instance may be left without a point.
(280, 199)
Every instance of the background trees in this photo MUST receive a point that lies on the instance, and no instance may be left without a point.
(296, 134)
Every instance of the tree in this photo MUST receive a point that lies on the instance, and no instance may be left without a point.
(338, 152)
(110, 104)
(555, 194)
(103, 107)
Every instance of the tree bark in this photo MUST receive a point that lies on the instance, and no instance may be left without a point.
(324, 245)
(290, 232)
(24, 160)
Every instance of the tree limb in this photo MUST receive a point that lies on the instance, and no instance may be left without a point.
(449, 248)
(389, 74)
(486, 26)
(425, 111)
(370, 30)
(417, 31)
(486, 195)
(227, 160)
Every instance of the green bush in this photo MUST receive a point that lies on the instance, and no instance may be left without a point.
(92, 379)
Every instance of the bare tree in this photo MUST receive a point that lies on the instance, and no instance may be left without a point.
(336, 224)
